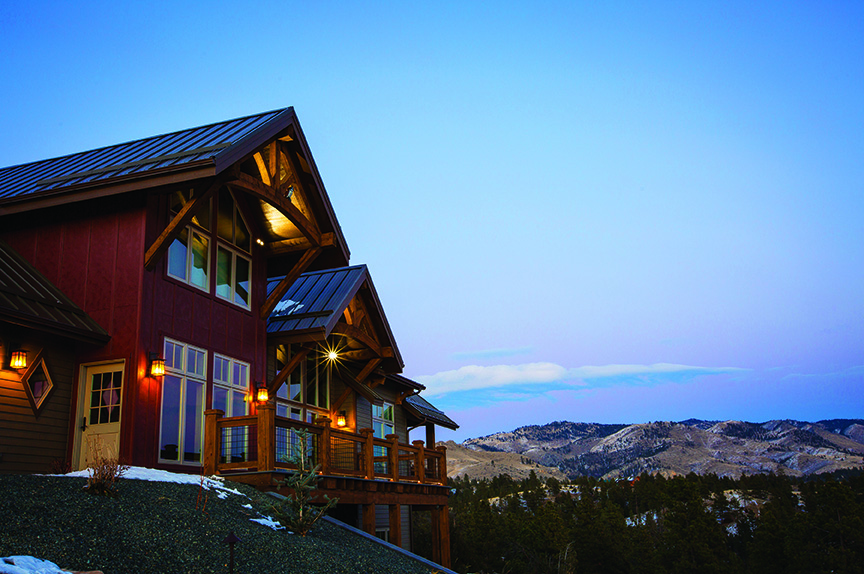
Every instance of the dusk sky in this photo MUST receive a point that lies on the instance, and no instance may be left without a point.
(585, 211)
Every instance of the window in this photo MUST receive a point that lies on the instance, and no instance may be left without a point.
(233, 264)
(190, 254)
(38, 385)
(382, 420)
(182, 421)
(230, 394)
(306, 392)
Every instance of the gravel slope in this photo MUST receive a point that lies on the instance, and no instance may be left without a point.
(159, 528)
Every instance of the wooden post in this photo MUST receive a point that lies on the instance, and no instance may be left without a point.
(369, 456)
(444, 535)
(394, 455)
(212, 442)
(369, 518)
(395, 525)
(266, 437)
(430, 435)
(421, 460)
(324, 445)
(435, 511)
(442, 464)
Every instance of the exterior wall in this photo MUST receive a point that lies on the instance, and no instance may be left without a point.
(31, 443)
(93, 252)
(173, 309)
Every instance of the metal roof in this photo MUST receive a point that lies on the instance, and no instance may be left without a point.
(27, 298)
(426, 410)
(180, 150)
(316, 299)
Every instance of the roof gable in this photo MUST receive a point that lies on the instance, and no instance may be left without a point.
(316, 302)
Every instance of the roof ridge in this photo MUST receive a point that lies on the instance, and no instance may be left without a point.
(144, 139)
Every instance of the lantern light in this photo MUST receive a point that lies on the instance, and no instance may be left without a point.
(157, 365)
(18, 360)
(263, 395)
(341, 420)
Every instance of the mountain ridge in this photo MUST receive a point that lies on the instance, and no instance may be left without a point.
(726, 448)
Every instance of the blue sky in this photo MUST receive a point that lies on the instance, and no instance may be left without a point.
(610, 212)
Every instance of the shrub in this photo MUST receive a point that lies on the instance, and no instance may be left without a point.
(296, 512)
(104, 469)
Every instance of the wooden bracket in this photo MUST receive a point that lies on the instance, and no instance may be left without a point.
(286, 371)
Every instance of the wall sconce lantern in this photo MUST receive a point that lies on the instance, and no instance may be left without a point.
(341, 420)
(262, 395)
(157, 365)
(18, 359)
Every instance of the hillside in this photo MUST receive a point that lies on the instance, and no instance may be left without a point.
(479, 464)
(158, 527)
(729, 448)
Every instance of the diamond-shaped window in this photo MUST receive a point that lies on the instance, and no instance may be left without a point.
(37, 384)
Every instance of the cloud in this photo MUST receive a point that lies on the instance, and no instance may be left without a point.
(474, 377)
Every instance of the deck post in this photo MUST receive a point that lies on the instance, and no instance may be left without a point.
(421, 460)
(395, 525)
(369, 518)
(211, 440)
(394, 455)
(266, 437)
(442, 468)
(444, 535)
(369, 456)
(324, 444)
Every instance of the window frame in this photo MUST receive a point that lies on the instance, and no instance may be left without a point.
(186, 378)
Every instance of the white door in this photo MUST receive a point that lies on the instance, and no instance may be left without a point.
(100, 412)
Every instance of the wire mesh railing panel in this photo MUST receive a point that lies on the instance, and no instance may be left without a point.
(290, 447)
(407, 464)
(381, 462)
(433, 468)
(237, 444)
(346, 455)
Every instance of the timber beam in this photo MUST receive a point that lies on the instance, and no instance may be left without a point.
(181, 220)
(272, 195)
(286, 371)
(283, 285)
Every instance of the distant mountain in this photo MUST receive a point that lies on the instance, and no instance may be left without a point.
(726, 448)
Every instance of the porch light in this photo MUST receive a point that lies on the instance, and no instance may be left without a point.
(340, 420)
(18, 360)
(262, 395)
(157, 365)
(332, 355)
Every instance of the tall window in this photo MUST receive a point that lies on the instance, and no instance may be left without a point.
(230, 393)
(182, 422)
(189, 253)
(382, 420)
(233, 263)
(306, 393)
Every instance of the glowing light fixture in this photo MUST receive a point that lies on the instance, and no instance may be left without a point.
(18, 360)
(332, 355)
(259, 242)
(157, 365)
(262, 395)
(341, 420)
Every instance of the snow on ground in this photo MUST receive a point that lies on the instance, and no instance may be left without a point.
(152, 474)
(28, 565)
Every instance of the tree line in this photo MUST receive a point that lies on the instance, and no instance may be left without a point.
(762, 524)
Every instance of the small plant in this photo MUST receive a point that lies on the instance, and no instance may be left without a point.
(296, 512)
(104, 469)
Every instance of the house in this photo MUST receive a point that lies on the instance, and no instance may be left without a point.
(186, 302)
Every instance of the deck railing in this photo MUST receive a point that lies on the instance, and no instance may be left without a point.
(266, 442)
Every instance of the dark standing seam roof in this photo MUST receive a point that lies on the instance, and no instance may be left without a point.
(315, 300)
(28, 298)
(425, 409)
(178, 150)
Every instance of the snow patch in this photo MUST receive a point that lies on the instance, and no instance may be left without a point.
(28, 565)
